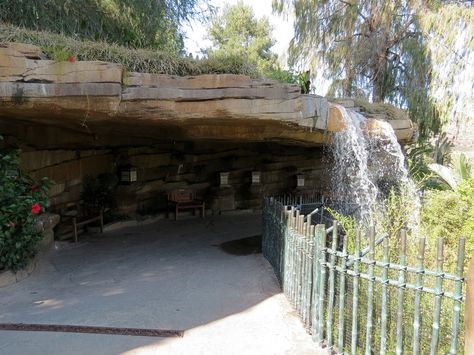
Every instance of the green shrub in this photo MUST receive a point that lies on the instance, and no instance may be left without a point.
(450, 214)
(21, 202)
(99, 192)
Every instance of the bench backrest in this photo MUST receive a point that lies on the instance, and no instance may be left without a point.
(181, 195)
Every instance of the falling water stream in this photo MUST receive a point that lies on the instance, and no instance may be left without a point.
(368, 163)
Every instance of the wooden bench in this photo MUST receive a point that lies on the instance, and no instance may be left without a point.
(78, 217)
(183, 199)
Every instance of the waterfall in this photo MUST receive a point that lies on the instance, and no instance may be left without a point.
(368, 162)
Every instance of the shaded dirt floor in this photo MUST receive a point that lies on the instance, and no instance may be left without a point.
(169, 275)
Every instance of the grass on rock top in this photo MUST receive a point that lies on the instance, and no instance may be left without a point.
(60, 47)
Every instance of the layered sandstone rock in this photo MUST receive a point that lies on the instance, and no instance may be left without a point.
(104, 105)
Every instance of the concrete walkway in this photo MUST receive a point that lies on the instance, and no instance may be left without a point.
(169, 275)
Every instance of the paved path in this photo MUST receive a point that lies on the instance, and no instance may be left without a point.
(169, 275)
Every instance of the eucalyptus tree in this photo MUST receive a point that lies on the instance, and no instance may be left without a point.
(369, 48)
(135, 23)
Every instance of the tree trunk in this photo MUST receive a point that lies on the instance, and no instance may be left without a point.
(378, 79)
(348, 80)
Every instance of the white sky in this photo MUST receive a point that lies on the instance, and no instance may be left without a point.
(282, 34)
(282, 30)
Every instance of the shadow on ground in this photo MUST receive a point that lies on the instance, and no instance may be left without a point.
(169, 275)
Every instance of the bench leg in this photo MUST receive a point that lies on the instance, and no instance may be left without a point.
(176, 213)
(101, 222)
(203, 214)
(74, 226)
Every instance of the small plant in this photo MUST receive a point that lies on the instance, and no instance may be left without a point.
(61, 54)
(22, 200)
(99, 192)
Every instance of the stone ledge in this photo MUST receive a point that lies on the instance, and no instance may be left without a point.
(8, 278)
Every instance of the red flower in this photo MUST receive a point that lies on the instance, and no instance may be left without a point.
(71, 59)
(36, 208)
(34, 188)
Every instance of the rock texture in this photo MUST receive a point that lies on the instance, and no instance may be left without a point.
(104, 105)
(191, 165)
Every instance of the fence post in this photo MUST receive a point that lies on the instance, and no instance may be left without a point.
(469, 311)
(370, 293)
(419, 286)
(355, 296)
(384, 317)
(401, 291)
(439, 293)
(457, 298)
(316, 277)
(332, 280)
(342, 294)
(322, 281)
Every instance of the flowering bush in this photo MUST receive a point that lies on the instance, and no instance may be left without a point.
(22, 200)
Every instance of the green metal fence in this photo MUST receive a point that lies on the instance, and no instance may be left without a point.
(368, 295)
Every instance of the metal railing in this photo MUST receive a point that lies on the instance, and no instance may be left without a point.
(364, 300)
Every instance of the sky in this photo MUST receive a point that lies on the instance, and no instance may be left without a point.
(282, 33)
(282, 29)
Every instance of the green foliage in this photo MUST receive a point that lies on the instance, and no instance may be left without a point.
(133, 60)
(374, 49)
(133, 23)
(462, 167)
(348, 223)
(304, 82)
(21, 201)
(235, 31)
(448, 27)
(282, 75)
(399, 212)
(450, 214)
(422, 155)
(99, 192)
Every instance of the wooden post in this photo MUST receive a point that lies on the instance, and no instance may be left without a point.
(401, 292)
(469, 311)
(331, 286)
(370, 293)
(457, 298)
(355, 296)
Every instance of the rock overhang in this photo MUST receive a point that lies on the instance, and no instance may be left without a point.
(105, 105)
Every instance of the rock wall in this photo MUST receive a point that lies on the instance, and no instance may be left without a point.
(192, 165)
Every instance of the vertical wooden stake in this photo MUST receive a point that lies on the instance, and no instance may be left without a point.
(401, 292)
(384, 317)
(457, 298)
(469, 311)
(355, 297)
(419, 286)
(332, 264)
(439, 292)
(370, 293)
(342, 295)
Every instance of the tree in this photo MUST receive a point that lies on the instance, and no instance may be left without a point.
(134, 23)
(236, 32)
(449, 30)
(369, 48)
